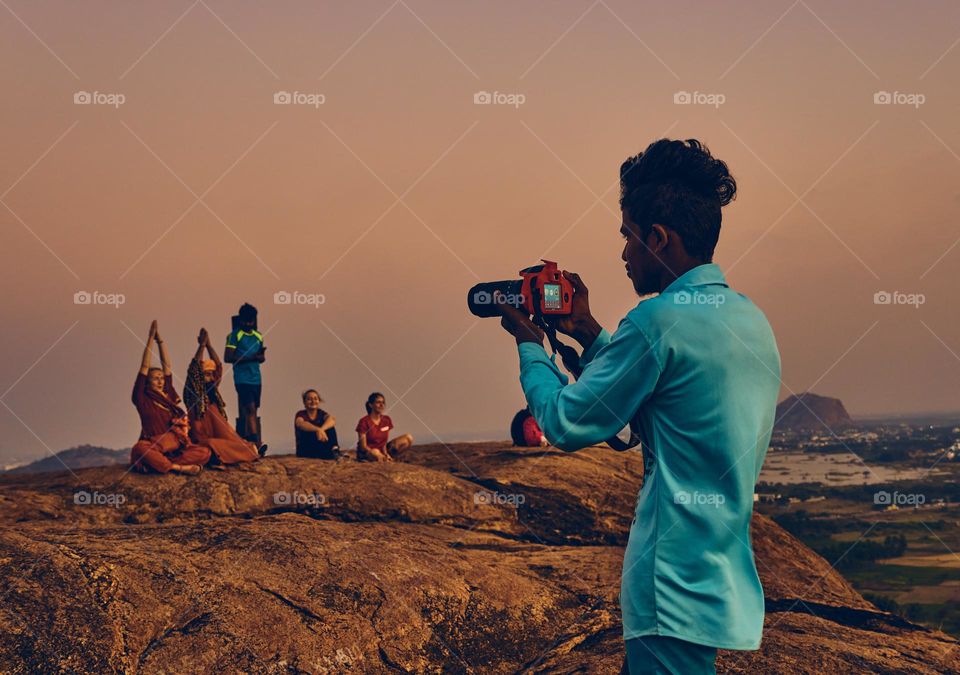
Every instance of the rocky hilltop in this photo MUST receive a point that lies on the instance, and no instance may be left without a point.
(473, 558)
(812, 412)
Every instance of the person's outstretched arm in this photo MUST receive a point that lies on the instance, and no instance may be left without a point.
(164, 359)
(145, 359)
(218, 373)
(210, 350)
(201, 345)
(618, 376)
(614, 384)
(139, 395)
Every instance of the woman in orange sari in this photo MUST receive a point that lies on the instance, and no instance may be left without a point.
(206, 409)
(164, 443)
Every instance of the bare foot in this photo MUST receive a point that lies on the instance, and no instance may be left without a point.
(188, 469)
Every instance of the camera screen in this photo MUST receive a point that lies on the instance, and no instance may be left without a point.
(551, 296)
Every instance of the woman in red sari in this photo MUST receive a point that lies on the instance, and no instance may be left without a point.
(205, 406)
(164, 443)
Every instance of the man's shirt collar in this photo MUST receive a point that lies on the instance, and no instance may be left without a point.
(707, 274)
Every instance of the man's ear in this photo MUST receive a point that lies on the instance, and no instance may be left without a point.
(657, 239)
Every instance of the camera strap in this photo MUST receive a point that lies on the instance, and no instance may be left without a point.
(571, 361)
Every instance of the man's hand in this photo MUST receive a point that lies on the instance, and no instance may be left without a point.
(580, 324)
(517, 322)
(321, 435)
(203, 338)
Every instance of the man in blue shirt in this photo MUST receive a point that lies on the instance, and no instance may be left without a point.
(698, 367)
(245, 350)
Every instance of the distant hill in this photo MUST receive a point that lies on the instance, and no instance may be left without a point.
(80, 457)
(811, 412)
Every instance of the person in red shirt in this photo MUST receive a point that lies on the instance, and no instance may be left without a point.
(164, 443)
(525, 432)
(373, 434)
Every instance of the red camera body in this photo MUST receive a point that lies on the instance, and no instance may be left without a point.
(546, 291)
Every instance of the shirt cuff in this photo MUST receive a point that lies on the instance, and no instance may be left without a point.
(531, 353)
(601, 341)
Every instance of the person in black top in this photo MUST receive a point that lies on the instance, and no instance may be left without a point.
(316, 434)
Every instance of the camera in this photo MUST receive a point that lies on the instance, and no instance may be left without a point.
(542, 291)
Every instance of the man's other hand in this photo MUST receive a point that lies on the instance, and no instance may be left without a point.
(580, 324)
(517, 322)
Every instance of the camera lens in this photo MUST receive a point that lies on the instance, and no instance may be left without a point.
(481, 298)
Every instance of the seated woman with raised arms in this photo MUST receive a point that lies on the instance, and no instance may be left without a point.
(207, 410)
(164, 443)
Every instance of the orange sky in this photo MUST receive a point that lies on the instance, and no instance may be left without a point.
(398, 192)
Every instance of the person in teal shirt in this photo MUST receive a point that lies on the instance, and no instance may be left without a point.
(246, 352)
(697, 365)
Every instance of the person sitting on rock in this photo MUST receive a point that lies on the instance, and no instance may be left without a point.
(164, 443)
(314, 429)
(207, 411)
(525, 432)
(373, 433)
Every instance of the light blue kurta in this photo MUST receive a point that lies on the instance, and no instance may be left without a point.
(700, 364)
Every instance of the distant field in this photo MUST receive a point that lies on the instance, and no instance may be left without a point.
(901, 577)
(948, 560)
(905, 560)
(947, 592)
(922, 584)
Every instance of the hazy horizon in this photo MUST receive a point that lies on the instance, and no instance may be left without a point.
(401, 188)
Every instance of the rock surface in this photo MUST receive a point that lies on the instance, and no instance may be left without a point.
(471, 558)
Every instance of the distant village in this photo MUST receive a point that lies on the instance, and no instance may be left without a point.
(919, 446)
(894, 443)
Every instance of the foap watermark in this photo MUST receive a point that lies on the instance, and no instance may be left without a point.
(297, 498)
(499, 498)
(99, 98)
(898, 98)
(697, 498)
(299, 298)
(884, 498)
(97, 298)
(299, 98)
(699, 298)
(499, 98)
(113, 499)
(898, 298)
(486, 298)
(699, 98)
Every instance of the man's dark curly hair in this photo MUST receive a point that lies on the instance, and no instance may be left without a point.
(681, 186)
